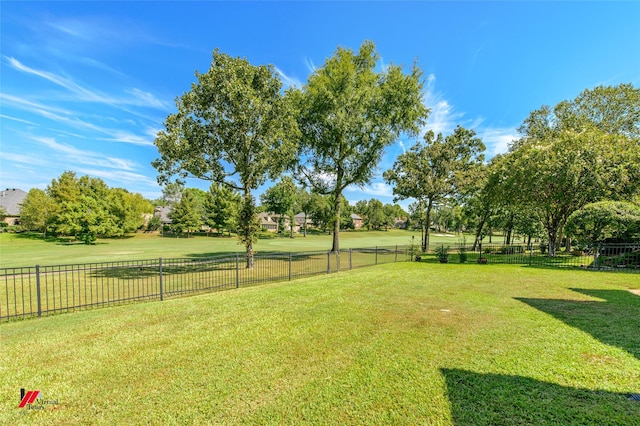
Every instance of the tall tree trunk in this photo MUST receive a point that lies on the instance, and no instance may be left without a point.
(337, 210)
(552, 234)
(478, 239)
(425, 242)
(246, 231)
(336, 222)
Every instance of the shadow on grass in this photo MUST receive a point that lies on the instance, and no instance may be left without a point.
(36, 236)
(616, 321)
(496, 399)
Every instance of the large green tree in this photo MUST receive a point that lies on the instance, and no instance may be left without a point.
(351, 109)
(610, 109)
(233, 127)
(561, 172)
(37, 211)
(128, 210)
(595, 137)
(597, 222)
(435, 171)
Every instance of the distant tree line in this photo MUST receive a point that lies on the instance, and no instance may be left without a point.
(218, 209)
(84, 208)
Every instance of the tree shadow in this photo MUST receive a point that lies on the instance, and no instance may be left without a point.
(497, 399)
(615, 321)
(36, 236)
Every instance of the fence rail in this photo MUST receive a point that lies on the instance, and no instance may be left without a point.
(42, 290)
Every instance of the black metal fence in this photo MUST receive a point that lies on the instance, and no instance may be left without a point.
(603, 257)
(42, 290)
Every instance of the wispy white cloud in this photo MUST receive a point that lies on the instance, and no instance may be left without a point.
(443, 117)
(288, 81)
(19, 120)
(310, 65)
(83, 94)
(75, 155)
(68, 117)
(497, 140)
(120, 176)
(146, 99)
(378, 189)
(29, 159)
(128, 137)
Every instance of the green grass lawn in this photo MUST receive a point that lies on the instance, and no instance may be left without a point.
(30, 250)
(407, 343)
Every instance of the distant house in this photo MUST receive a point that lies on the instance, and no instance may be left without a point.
(400, 223)
(300, 218)
(163, 213)
(357, 221)
(10, 201)
(268, 222)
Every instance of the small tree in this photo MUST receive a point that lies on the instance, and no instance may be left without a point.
(185, 215)
(435, 171)
(222, 208)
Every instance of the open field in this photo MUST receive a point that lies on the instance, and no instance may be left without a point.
(26, 250)
(407, 343)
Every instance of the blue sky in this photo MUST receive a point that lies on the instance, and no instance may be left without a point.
(85, 86)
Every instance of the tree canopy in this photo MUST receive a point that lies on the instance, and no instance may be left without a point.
(233, 127)
(347, 113)
(435, 171)
(605, 220)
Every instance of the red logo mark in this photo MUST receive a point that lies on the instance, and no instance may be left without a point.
(28, 398)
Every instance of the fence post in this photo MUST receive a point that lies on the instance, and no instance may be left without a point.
(350, 261)
(396, 258)
(38, 290)
(376, 255)
(328, 262)
(290, 266)
(237, 270)
(160, 269)
(530, 254)
(596, 255)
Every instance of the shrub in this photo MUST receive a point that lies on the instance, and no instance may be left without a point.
(462, 252)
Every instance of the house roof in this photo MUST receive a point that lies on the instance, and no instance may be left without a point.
(163, 213)
(355, 216)
(10, 200)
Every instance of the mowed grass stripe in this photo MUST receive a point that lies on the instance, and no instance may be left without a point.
(394, 344)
